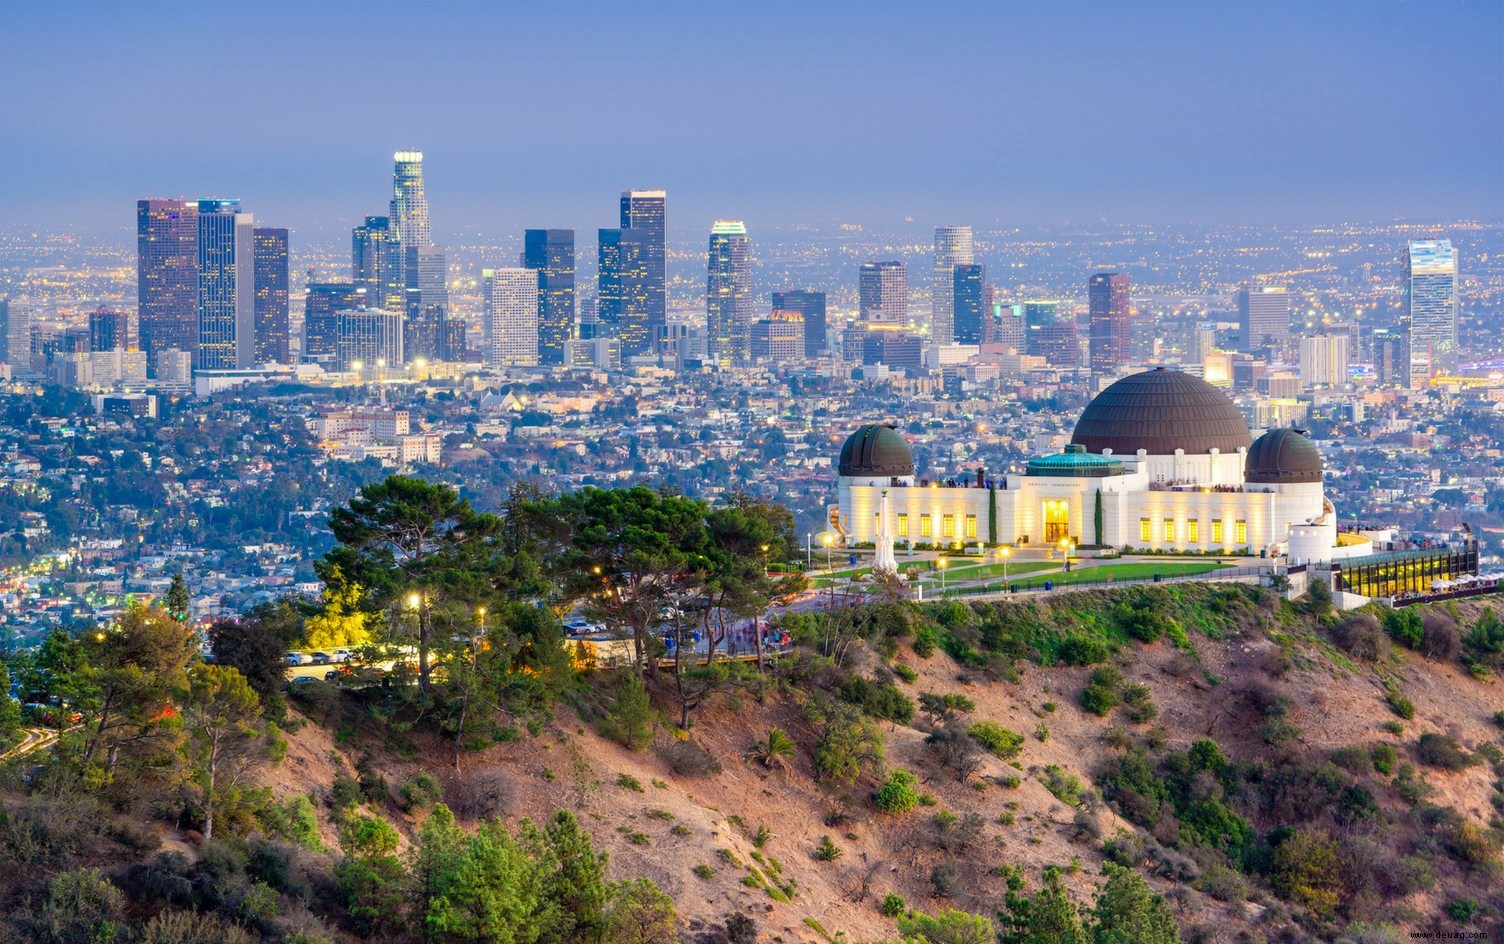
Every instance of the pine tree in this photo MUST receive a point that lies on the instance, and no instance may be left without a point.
(1127, 912)
(177, 602)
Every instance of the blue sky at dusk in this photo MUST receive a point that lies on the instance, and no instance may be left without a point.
(538, 114)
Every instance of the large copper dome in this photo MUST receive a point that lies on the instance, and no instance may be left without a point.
(876, 450)
(1161, 411)
(1282, 457)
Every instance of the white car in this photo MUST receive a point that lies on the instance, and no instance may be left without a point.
(341, 655)
(298, 658)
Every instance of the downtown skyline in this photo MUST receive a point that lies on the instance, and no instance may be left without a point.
(1292, 123)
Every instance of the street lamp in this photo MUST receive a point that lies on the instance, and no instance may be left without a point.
(1005, 553)
(940, 563)
(764, 549)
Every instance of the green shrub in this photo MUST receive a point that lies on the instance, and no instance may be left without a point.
(1065, 785)
(630, 782)
(827, 850)
(1463, 909)
(629, 719)
(344, 793)
(925, 641)
(420, 792)
(1307, 870)
(1499, 718)
(997, 739)
(1439, 750)
(877, 699)
(1404, 627)
(1101, 694)
(703, 871)
(1384, 759)
(894, 906)
(1080, 649)
(898, 794)
(1397, 701)
(1410, 786)
(1139, 703)
(906, 673)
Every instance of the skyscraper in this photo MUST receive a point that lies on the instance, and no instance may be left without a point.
(15, 333)
(1110, 307)
(226, 286)
(551, 253)
(728, 293)
(645, 211)
(409, 215)
(1263, 318)
(952, 248)
(271, 296)
(1431, 308)
(324, 302)
(511, 317)
(109, 328)
(1049, 335)
(369, 338)
(969, 303)
(375, 263)
(883, 292)
(621, 283)
(167, 276)
(811, 306)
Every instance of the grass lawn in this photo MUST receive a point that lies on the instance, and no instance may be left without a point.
(1144, 570)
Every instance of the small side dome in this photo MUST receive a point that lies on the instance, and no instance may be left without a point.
(876, 451)
(1076, 462)
(1282, 457)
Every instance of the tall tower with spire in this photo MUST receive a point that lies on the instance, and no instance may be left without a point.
(409, 214)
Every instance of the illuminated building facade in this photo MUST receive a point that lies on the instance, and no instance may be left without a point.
(1110, 310)
(272, 341)
(728, 293)
(226, 286)
(1159, 461)
(810, 306)
(1431, 309)
(551, 253)
(511, 317)
(167, 276)
(883, 293)
(953, 247)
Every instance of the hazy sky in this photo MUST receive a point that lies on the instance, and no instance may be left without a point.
(777, 112)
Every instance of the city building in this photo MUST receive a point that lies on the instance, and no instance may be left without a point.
(1324, 361)
(1263, 319)
(15, 333)
(621, 283)
(1431, 309)
(646, 283)
(551, 253)
(226, 286)
(109, 328)
(321, 308)
(427, 312)
(409, 212)
(368, 338)
(968, 302)
(376, 263)
(272, 342)
(778, 338)
(728, 293)
(1050, 335)
(953, 247)
(899, 350)
(883, 293)
(1012, 331)
(167, 275)
(1110, 318)
(1158, 461)
(511, 317)
(810, 306)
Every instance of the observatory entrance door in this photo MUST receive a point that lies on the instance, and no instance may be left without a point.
(1057, 521)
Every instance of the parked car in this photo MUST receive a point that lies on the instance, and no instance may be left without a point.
(343, 655)
(296, 658)
(321, 658)
(304, 680)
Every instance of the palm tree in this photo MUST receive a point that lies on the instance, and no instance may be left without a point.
(775, 750)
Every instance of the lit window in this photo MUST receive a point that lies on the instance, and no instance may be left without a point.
(1145, 530)
(971, 526)
(924, 526)
(948, 526)
(1242, 531)
(1217, 531)
(1193, 530)
(1169, 530)
(903, 526)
